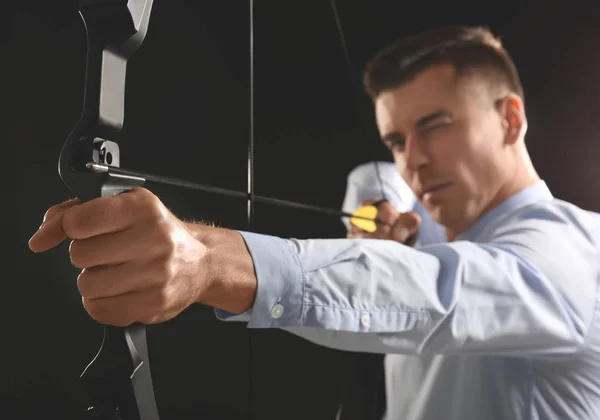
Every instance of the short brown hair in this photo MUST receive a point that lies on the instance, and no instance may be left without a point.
(473, 50)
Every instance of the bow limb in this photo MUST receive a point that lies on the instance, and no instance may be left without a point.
(378, 397)
(118, 381)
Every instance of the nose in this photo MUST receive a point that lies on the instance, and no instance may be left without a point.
(414, 154)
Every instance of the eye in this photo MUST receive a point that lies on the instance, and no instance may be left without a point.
(433, 128)
(438, 125)
(397, 146)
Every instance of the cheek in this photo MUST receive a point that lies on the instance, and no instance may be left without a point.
(466, 153)
(400, 163)
(407, 175)
(477, 165)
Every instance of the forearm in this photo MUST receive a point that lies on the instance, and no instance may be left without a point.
(227, 268)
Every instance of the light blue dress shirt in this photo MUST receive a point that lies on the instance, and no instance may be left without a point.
(500, 324)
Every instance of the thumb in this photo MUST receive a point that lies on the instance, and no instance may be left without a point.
(405, 226)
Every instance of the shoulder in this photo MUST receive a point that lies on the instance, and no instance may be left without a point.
(555, 221)
(554, 241)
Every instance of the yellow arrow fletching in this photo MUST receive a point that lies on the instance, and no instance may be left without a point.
(369, 212)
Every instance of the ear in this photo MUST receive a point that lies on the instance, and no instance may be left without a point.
(512, 114)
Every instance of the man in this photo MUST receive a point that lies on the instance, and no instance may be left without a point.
(503, 317)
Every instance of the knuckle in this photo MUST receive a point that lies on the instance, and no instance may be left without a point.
(51, 212)
(171, 245)
(388, 215)
(136, 196)
(140, 203)
(127, 203)
(165, 270)
(59, 208)
(157, 214)
(167, 242)
(73, 223)
(400, 233)
(160, 300)
(142, 193)
(155, 209)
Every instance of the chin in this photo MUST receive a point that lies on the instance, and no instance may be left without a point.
(445, 216)
(436, 213)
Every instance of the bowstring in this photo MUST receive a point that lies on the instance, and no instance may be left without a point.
(358, 92)
(251, 198)
(251, 194)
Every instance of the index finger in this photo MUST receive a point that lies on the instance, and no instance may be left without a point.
(50, 233)
(110, 214)
(387, 213)
(355, 232)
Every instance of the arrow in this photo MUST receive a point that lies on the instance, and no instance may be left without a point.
(364, 217)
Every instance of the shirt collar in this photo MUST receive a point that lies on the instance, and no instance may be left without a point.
(534, 193)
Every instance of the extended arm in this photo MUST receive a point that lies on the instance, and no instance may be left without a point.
(529, 288)
(529, 291)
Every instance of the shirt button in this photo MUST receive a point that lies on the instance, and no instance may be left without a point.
(277, 311)
(365, 320)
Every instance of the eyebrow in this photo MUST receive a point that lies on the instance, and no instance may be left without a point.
(395, 137)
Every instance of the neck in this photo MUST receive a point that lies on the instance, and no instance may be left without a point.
(523, 177)
(451, 235)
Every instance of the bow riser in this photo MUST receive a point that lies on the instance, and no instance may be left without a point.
(115, 30)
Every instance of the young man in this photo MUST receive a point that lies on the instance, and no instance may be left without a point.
(503, 317)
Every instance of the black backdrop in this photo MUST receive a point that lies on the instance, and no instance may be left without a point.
(187, 117)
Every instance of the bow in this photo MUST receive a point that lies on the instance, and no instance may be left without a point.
(118, 381)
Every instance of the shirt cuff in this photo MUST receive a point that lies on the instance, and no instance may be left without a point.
(279, 297)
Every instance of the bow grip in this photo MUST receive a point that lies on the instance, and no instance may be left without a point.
(118, 381)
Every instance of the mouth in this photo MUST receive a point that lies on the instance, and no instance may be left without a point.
(428, 192)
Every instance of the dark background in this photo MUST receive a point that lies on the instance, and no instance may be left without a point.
(187, 116)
